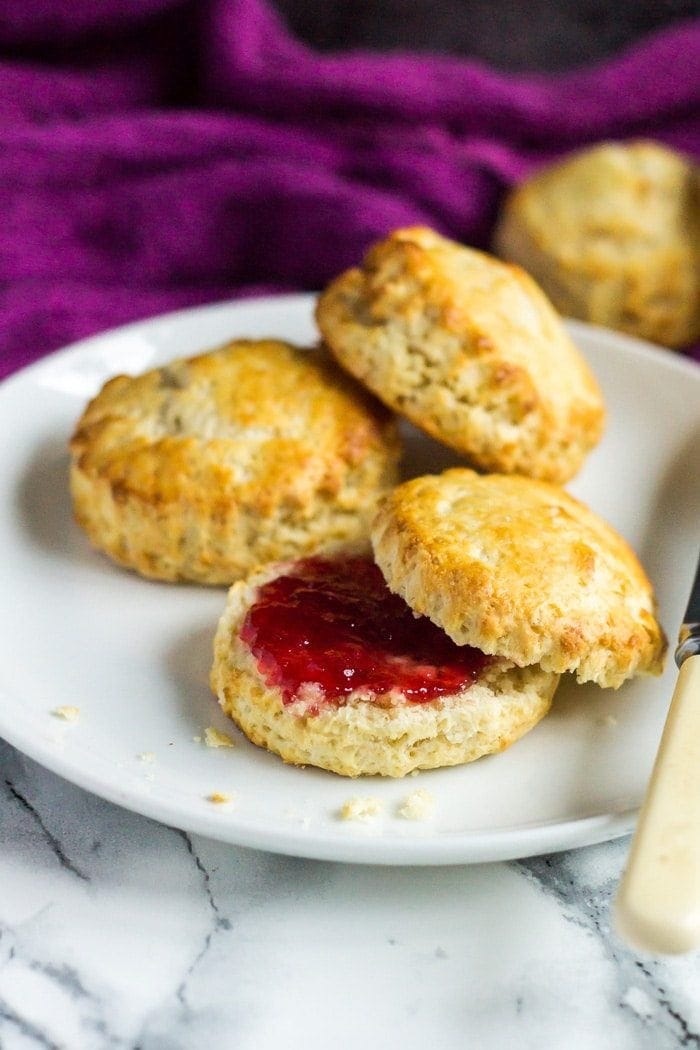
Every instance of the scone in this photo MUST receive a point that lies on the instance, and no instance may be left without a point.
(470, 350)
(520, 568)
(204, 468)
(612, 234)
(496, 586)
(318, 662)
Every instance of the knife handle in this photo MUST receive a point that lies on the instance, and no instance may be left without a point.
(658, 902)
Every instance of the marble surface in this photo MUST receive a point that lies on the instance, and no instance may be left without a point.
(119, 932)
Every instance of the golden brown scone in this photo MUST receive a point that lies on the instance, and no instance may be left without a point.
(470, 350)
(206, 467)
(386, 735)
(518, 567)
(613, 236)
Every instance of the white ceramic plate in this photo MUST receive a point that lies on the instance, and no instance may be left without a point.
(134, 656)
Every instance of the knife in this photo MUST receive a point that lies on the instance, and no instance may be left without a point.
(658, 902)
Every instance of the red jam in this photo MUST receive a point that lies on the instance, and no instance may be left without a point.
(335, 623)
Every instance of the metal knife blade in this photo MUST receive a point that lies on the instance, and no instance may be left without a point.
(689, 634)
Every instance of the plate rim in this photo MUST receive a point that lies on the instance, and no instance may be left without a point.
(360, 845)
(357, 846)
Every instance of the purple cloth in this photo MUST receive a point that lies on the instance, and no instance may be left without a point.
(156, 154)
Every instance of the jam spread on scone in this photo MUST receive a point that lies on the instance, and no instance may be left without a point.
(335, 623)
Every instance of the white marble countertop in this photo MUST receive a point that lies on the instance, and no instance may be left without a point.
(119, 932)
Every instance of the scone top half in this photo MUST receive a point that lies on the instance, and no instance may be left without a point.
(519, 568)
(469, 349)
(208, 466)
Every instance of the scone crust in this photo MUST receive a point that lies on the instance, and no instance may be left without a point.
(519, 567)
(612, 234)
(364, 737)
(470, 350)
(206, 467)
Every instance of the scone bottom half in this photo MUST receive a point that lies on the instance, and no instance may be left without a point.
(320, 663)
(521, 568)
(470, 350)
(206, 467)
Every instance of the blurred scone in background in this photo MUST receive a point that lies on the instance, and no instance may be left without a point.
(612, 234)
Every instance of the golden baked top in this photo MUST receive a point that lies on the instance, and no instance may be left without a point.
(613, 235)
(519, 568)
(469, 349)
(262, 420)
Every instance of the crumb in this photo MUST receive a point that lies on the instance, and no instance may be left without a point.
(215, 738)
(414, 773)
(360, 809)
(417, 806)
(218, 798)
(299, 818)
(67, 713)
(607, 720)
(146, 756)
(197, 739)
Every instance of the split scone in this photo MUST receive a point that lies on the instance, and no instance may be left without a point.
(206, 467)
(613, 236)
(470, 350)
(496, 585)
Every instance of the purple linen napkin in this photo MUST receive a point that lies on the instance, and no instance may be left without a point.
(118, 200)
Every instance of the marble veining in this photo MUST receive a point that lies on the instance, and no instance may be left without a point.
(119, 932)
(647, 991)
